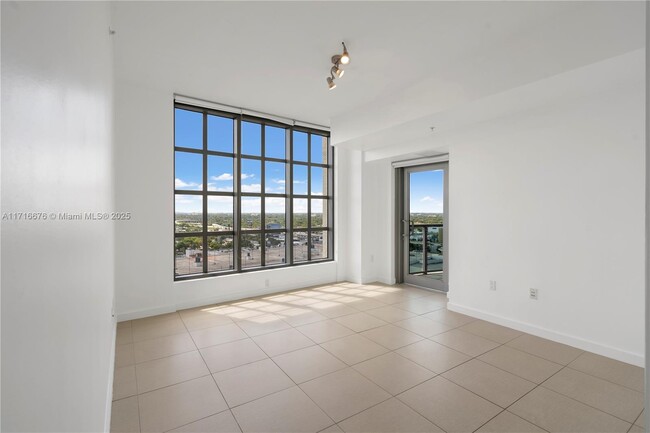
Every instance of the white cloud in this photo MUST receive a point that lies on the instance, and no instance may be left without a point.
(299, 181)
(222, 177)
(426, 198)
(253, 187)
(280, 181)
(179, 183)
(247, 176)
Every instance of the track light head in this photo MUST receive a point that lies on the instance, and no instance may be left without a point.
(345, 57)
(330, 83)
(337, 71)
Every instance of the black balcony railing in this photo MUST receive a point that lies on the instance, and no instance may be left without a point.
(426, 248)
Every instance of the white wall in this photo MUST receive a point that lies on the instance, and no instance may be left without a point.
(57, 279)
(555, 201)
(144, 186)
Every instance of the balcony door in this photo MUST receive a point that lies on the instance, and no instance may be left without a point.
(424, 226)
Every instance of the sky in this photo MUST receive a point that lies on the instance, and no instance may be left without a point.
(189, 166)
(426, 195)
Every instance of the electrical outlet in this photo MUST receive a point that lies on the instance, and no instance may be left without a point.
(493, 285)
(533, 294)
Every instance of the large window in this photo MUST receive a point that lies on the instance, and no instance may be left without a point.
(249, 193)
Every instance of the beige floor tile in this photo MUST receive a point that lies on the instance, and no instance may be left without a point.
(288, 411)
(124, 383)
(390, 298)
(353, 349)
(465, 342)
(332, 309)
(391, 416)
(161, 347)
(449, 317)
(491, 331)
(433, 356)
(251, 381)
(391, 314)
(422, 305)
(263, 324)
(506, 422)
(609, 369)
(200, 318)
(521, 364)
(359, 322)
(392, 337)
(150, 328)
(217, 335)
(124, 355)
(636, 429)
(124, 324)
(125, 417)
(489, 382)
(423, 326)
(557, 413)
(365, 304)
(332, 429)
(640, 421)
(180, 404)
(616, 400)
(393, 372)
(223, 422)
(450, 407)
(281, 342)
(168, 371)
(309, 363)
(547, 349)
(124, 336)
(344, 393)
(302, 316)
(327, 330)
(233, 354)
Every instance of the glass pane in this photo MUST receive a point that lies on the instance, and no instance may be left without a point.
(251, 170)
(189, 256)
(220, 213)
(318, 245)
(318, 149)
(250, 251)
(300, 179)
(251, 208)
(275, 174)
(318, 181)
(220, 173)
(275, 216)
(275, 142)
(188, 171)
(300, 213)
(426, 218)
(220, 133)
(300, 246)
(251, 138)
(188, 129)
(188, 213)
(275, 248)
(416, 262)
(220, 253)
(319, 213)
(300, 146)
(434, 250)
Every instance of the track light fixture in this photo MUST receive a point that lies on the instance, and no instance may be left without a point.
(337, 71)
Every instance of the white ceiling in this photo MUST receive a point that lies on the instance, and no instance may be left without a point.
(409, 59)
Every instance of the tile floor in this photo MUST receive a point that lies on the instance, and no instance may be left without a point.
(359, 358)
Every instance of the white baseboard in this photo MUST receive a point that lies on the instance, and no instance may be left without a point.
(591, 346)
